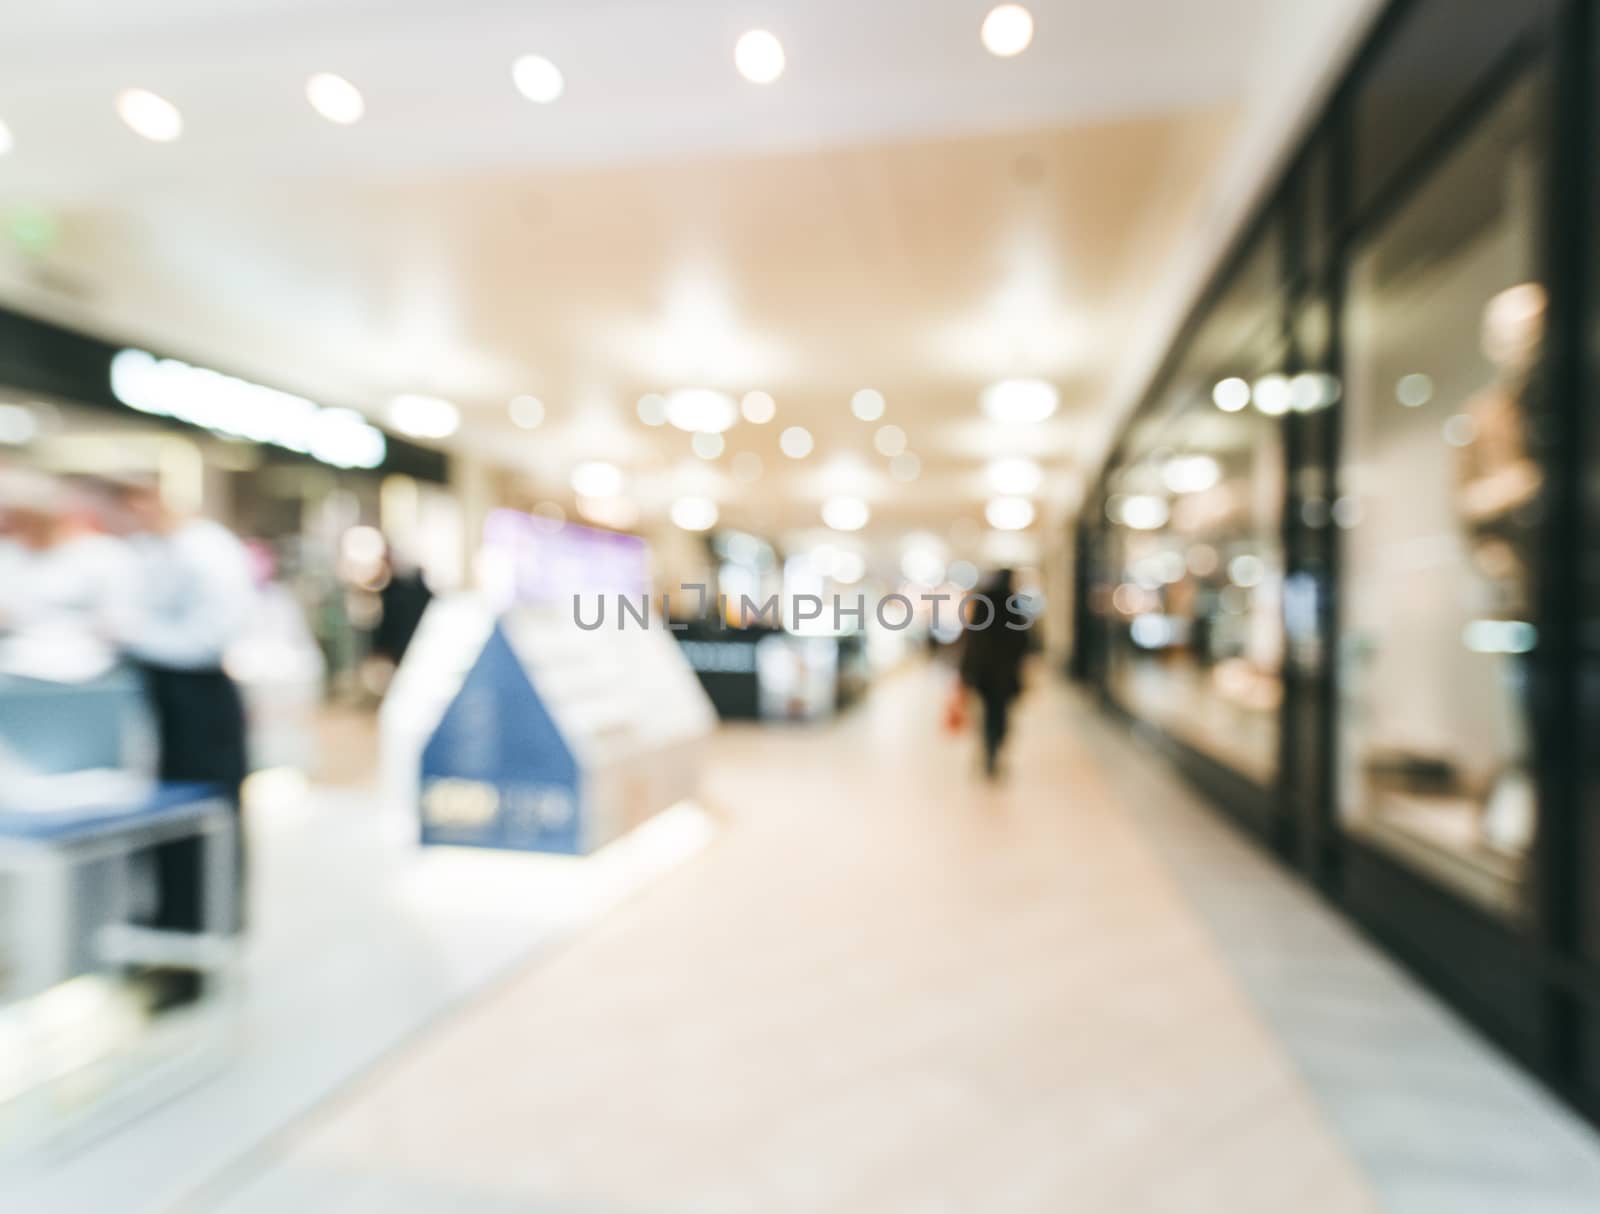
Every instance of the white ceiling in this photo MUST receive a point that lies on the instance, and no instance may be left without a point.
(901, 210)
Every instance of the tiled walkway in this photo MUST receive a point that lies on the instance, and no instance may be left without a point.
(887, 987)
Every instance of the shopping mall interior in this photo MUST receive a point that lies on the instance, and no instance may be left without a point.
(743, 606)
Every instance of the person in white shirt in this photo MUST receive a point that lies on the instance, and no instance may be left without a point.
(60, 581)
(191, 596)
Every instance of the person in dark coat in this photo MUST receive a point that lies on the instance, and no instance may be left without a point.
(404, 597)
(997, 638)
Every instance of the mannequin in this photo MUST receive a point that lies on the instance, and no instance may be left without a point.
(1499, 485)
(1498, 481)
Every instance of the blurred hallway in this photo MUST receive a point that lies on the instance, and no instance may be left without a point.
(890, 988)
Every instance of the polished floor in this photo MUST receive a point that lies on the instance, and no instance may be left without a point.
(888, 987)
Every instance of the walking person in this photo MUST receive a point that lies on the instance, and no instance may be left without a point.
(995, 642)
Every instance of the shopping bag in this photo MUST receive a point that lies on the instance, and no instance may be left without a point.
(955, 708)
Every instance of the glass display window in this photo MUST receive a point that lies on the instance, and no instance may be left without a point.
(1440, 503)
(1196, 605)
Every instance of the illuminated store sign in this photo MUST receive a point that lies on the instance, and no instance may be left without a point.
(165, 387)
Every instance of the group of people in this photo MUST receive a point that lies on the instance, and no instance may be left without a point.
(100, 570)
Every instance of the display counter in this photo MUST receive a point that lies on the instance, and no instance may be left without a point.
(523, 731)
(774, 675)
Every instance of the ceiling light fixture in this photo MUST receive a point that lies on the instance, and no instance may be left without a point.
(758, 407)
(708, 445)
(1271, 394)
(1007, 30)
(1142, 512)
(846, 513)
(701, 410)
(889, 440)
(335, 98)
(597, 479)
(423, 416)
(1191, 473)
(759, 57)
(1009, 513)
(1018, 401)
(796, 442)
(537, 79)
(868, 404)
(1414, 390)
(1231, 394)
(653, 409)
(694, 513)
(149, 115)
(527, 411)
(1015, 476)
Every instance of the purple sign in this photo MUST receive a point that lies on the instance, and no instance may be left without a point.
(527, 559)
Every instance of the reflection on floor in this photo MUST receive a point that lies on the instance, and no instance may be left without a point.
(360, 940)
(887, 987)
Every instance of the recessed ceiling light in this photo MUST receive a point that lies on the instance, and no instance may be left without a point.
(335, 98)
(538, 79)
(156, 118)
(701, 410)
(758, 407)
(527, 411)
(423, 416)
(759, 57)
(1231, 394)
(6, 142)
(1015, 476)
(708, 445)
(695, 513)
(653, 409)
(1414, 390)
(1271, 394)
(795, 442)
(889, 440)
(1009, 513)
(1007, 30)
(905, 467)
(845, 513)
(1142, 512)
(1191, 473)
(1020, 400)
(597, 479)
(867, 404)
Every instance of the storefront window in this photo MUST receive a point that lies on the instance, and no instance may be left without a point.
(1440, 497)
(1196, 524)
(1199, 598)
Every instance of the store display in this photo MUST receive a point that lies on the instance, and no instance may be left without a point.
(65, 744)
(1441, 541)
(508, 725)
(1199, 593)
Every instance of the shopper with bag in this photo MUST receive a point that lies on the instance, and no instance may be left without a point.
(996, 639)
